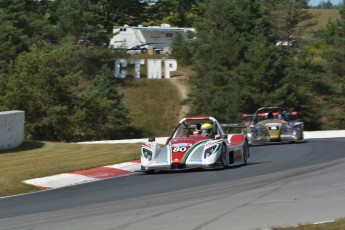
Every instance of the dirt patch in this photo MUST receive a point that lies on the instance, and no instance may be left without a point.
(180, 80)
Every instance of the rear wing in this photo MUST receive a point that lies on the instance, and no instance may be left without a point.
(248, 115)
(232, 126)
(276, 114)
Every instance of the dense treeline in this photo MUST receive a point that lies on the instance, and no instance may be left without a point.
(239, 67)
(55, 63)
(56, 66)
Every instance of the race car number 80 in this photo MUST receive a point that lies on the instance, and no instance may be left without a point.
(179, 149)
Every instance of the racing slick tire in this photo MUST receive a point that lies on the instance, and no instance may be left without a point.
(223, 157)
(246, 153)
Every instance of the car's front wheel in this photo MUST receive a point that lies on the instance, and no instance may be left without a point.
(149, 171)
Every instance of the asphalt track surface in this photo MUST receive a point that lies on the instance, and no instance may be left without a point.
(283, 185)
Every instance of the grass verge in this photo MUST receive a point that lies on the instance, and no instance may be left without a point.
(39, 159)
(337, 225)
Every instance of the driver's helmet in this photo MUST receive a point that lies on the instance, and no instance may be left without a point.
(206, 130)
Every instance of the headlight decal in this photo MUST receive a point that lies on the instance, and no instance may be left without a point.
(211, 150)
(146, 153)
(261, 130)
(286, 129)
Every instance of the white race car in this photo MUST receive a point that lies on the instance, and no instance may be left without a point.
(188, 147)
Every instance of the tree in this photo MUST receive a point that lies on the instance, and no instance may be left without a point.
(77, 20)
(109, 13)
(181, 50)
(60, 71)
(289, 19)
(226, 30)
(262, 77)
(335, 69)
(181, 13)
(238, 68)
(59, 103)
(21, 22)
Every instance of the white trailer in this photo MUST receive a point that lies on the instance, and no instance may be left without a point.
(141, 39)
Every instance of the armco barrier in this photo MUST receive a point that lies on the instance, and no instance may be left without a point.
(11, 129)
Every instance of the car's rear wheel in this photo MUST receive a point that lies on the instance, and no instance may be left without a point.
(224, 159)
(245, 152)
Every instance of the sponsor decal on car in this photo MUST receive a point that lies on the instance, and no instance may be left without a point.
(150, 146)
(181, 147)
(212, 143)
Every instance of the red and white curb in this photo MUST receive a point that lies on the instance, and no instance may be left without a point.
(84, 176)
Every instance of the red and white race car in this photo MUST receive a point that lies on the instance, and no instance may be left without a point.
(197, 142)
